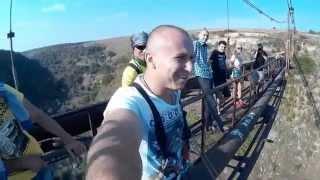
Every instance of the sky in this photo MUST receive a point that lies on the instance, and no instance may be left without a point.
(39, 23)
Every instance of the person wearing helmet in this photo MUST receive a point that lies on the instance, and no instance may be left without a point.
(137, 64)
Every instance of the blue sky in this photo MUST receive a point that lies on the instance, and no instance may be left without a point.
(39, 23)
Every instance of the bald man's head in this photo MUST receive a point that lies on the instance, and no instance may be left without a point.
(162, 31)
(169, 54)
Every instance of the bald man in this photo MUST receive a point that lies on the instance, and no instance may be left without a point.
(127, 145)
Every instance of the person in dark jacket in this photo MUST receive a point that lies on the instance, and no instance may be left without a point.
(260, 59)
(219, 69)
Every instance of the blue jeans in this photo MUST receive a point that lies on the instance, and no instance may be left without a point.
(210, 105)
(45, 173)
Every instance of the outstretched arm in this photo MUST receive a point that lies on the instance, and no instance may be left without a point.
(50, 125)
(232, 60)
(114, 152)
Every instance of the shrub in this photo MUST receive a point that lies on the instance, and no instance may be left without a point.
(307, 64)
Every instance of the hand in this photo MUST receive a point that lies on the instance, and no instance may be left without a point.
(75, 147)
(185, 152)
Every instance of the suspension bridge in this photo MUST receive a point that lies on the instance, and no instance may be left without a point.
(211, 153)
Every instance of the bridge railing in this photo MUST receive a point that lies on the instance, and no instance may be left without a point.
(215, 160)
(270, 68)
(89, 118)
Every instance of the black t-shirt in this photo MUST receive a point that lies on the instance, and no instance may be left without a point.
(260, 60)
(218, 64)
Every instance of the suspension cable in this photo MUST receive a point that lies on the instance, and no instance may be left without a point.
(262, 12)
(228, 29)
(10, 36)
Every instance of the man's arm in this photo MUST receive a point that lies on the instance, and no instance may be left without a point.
(114, 152)
(50, 125)
(255, 54)
(211, 58)
(29, 162)
(265, 55)
(231, 61)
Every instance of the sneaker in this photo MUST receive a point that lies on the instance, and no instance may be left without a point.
(238, 105)
(212, 129)
(226, 129)
(243, 104)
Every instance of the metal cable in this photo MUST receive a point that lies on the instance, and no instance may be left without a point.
(228, 29)
(10, 35)
(262, 12)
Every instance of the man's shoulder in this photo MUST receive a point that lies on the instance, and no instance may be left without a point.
(129, 71)
(214, 53)
(124, 93)
(196, 43)
(131, 68)
(265, 53)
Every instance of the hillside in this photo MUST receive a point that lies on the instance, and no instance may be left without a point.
(92, 70)
(38, 84)
(84, 67)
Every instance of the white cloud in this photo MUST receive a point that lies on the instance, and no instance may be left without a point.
(59, 7)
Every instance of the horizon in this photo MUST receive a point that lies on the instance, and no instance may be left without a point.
(42, 23)
(127, 36)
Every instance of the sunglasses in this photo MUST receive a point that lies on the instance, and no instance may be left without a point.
(141, 48)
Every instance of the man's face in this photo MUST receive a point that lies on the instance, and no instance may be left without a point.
(138, 52)
(221, 47)
(203, 36)
(173, 60)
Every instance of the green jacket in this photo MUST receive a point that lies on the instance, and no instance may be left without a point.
(135, 67)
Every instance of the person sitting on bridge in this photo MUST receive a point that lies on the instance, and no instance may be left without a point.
(137, 64)
(20, 153)
(203, 72)
(236, 61)
(144, 133)
(219, 69)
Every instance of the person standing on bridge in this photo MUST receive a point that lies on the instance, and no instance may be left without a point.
(236, 61)
(137, 65)
(260, 59)
(219, 67)
(203, 72)
(144, 134)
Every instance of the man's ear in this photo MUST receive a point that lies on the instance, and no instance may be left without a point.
(149, 59)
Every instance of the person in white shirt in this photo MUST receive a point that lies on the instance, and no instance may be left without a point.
(127, 145)
(236, 61)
